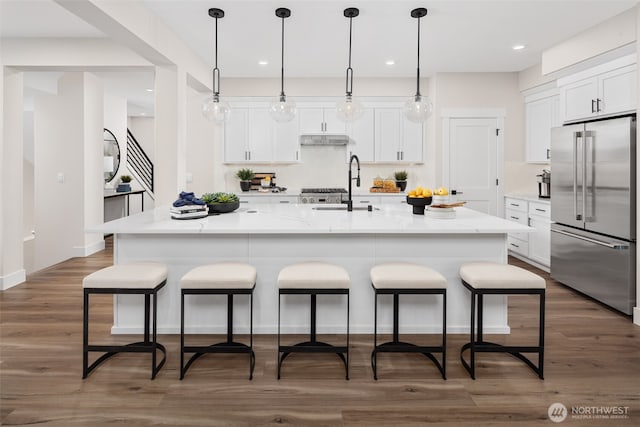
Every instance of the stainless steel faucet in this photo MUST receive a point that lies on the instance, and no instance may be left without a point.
(349, 200)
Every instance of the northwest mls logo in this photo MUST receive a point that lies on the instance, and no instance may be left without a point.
(557, 412)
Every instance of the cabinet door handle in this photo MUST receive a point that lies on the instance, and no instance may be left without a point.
(249, 153)
(514, 204)
(364, 201)
(402, 155)
(593, 105)
(514, 245)
(529, 222)
(284, 201)
(514, 217)
(541, 210)
(548, 153)
(598, 101)
(297, 155)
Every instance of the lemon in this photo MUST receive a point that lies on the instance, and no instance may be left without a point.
(412, 193)
(419, 191)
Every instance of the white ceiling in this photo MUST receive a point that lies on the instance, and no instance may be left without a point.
(457, 35)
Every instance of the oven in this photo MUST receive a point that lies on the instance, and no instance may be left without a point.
(322, 195)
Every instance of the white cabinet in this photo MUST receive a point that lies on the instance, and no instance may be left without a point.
(263, 199)
(606, 90)
(319, 120)
(540, 240)
(534, 246)
(361, 137)
(251, 135)
(396, 138)
(542, 112)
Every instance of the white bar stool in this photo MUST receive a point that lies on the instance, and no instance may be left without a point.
(143, 278)
(399, 278)
(490, 278)
(313, 278)
(223, 278)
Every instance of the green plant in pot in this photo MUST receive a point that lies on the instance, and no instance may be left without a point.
(125, 184)
(401, 179)
(245, 175)
(220, 202)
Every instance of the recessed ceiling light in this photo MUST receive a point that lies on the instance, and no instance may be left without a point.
(263, 62)
(149, 90)
(390, 62)
(518, 47)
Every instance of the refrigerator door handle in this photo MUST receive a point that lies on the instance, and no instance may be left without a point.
(587, 239)
(585, 157)
(576, 136)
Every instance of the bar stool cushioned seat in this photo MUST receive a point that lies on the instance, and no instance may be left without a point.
(143, 278)
(313, 278)
(489, 278)
(400, 278)
(223, 278)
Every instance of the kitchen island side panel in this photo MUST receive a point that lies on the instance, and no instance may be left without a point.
(269, 253)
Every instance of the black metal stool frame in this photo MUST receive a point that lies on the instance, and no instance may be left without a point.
(313, 345)
(397, 346)
(145, 346)
(228, 346)
(478, 344)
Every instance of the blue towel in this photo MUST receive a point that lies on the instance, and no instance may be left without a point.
(187, 198)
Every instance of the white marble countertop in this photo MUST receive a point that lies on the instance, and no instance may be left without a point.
(531, 197)
(304, 219)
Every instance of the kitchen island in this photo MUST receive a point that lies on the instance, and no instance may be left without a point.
(273, 236)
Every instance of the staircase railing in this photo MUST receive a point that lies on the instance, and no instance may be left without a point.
(139, 163)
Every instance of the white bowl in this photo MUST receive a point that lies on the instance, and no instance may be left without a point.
(439, 199)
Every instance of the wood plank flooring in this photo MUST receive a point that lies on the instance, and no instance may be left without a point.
(592, 359)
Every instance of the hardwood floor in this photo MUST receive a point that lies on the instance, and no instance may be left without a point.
(592, 360)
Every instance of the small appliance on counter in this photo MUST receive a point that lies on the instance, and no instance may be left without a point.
(321, 195)
(544, 184)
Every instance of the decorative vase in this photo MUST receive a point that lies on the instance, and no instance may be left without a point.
(123, 187)
(245, 185)
(402, 185)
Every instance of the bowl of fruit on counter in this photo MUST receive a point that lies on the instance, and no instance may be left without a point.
(219, 203)
(419, 198)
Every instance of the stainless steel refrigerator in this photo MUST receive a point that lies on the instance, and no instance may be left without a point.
(593, 209)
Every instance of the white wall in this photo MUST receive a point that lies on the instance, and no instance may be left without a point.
(532, 77)
(491, 90)
(605, 37)
(115, 119)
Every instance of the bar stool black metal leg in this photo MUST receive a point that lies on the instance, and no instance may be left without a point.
(155, 335)
(181, 334)
(147, 315)
(252, 356)
(541, 337)
(374, 353)
(312, 332)
(444, 335)
(479, 335)
(85, 336)
(347, 363)
(278, 361)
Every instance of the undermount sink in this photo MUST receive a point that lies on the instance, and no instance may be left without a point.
(342, 208)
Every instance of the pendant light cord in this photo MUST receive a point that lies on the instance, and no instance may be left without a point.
(216, 71)
(418, 71)
(282, 96)
(349, 82)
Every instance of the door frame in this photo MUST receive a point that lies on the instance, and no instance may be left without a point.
(475, 113)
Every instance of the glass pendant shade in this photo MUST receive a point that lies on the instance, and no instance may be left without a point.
(212, 108)
(215, 110)
(418, 108)
(349, 109)
(282, 110)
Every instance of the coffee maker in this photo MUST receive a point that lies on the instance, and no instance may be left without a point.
(544, 184)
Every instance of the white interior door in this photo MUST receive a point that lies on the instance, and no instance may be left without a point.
(472, 152)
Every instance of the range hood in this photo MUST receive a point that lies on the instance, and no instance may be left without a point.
(323, 139)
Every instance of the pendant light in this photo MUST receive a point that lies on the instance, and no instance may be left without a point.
(349, 109)
(419, 107)
(212, 108)
(282, 110)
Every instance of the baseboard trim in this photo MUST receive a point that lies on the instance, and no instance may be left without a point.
(636, 315)
(13, 279)
(529, 261)
(84, 251)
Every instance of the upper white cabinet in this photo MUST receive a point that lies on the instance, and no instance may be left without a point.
(542, 112)
(361, 137)
(319, 120)
(251, 135)
(605, 90)
(396, 138)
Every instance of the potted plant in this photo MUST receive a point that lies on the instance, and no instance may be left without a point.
(124, 185)
(245, 176)
(401, 179)
(221, 202)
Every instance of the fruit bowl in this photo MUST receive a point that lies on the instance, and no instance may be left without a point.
(418, 204)
(218, 208)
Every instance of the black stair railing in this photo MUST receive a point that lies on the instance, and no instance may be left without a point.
(139, 163)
